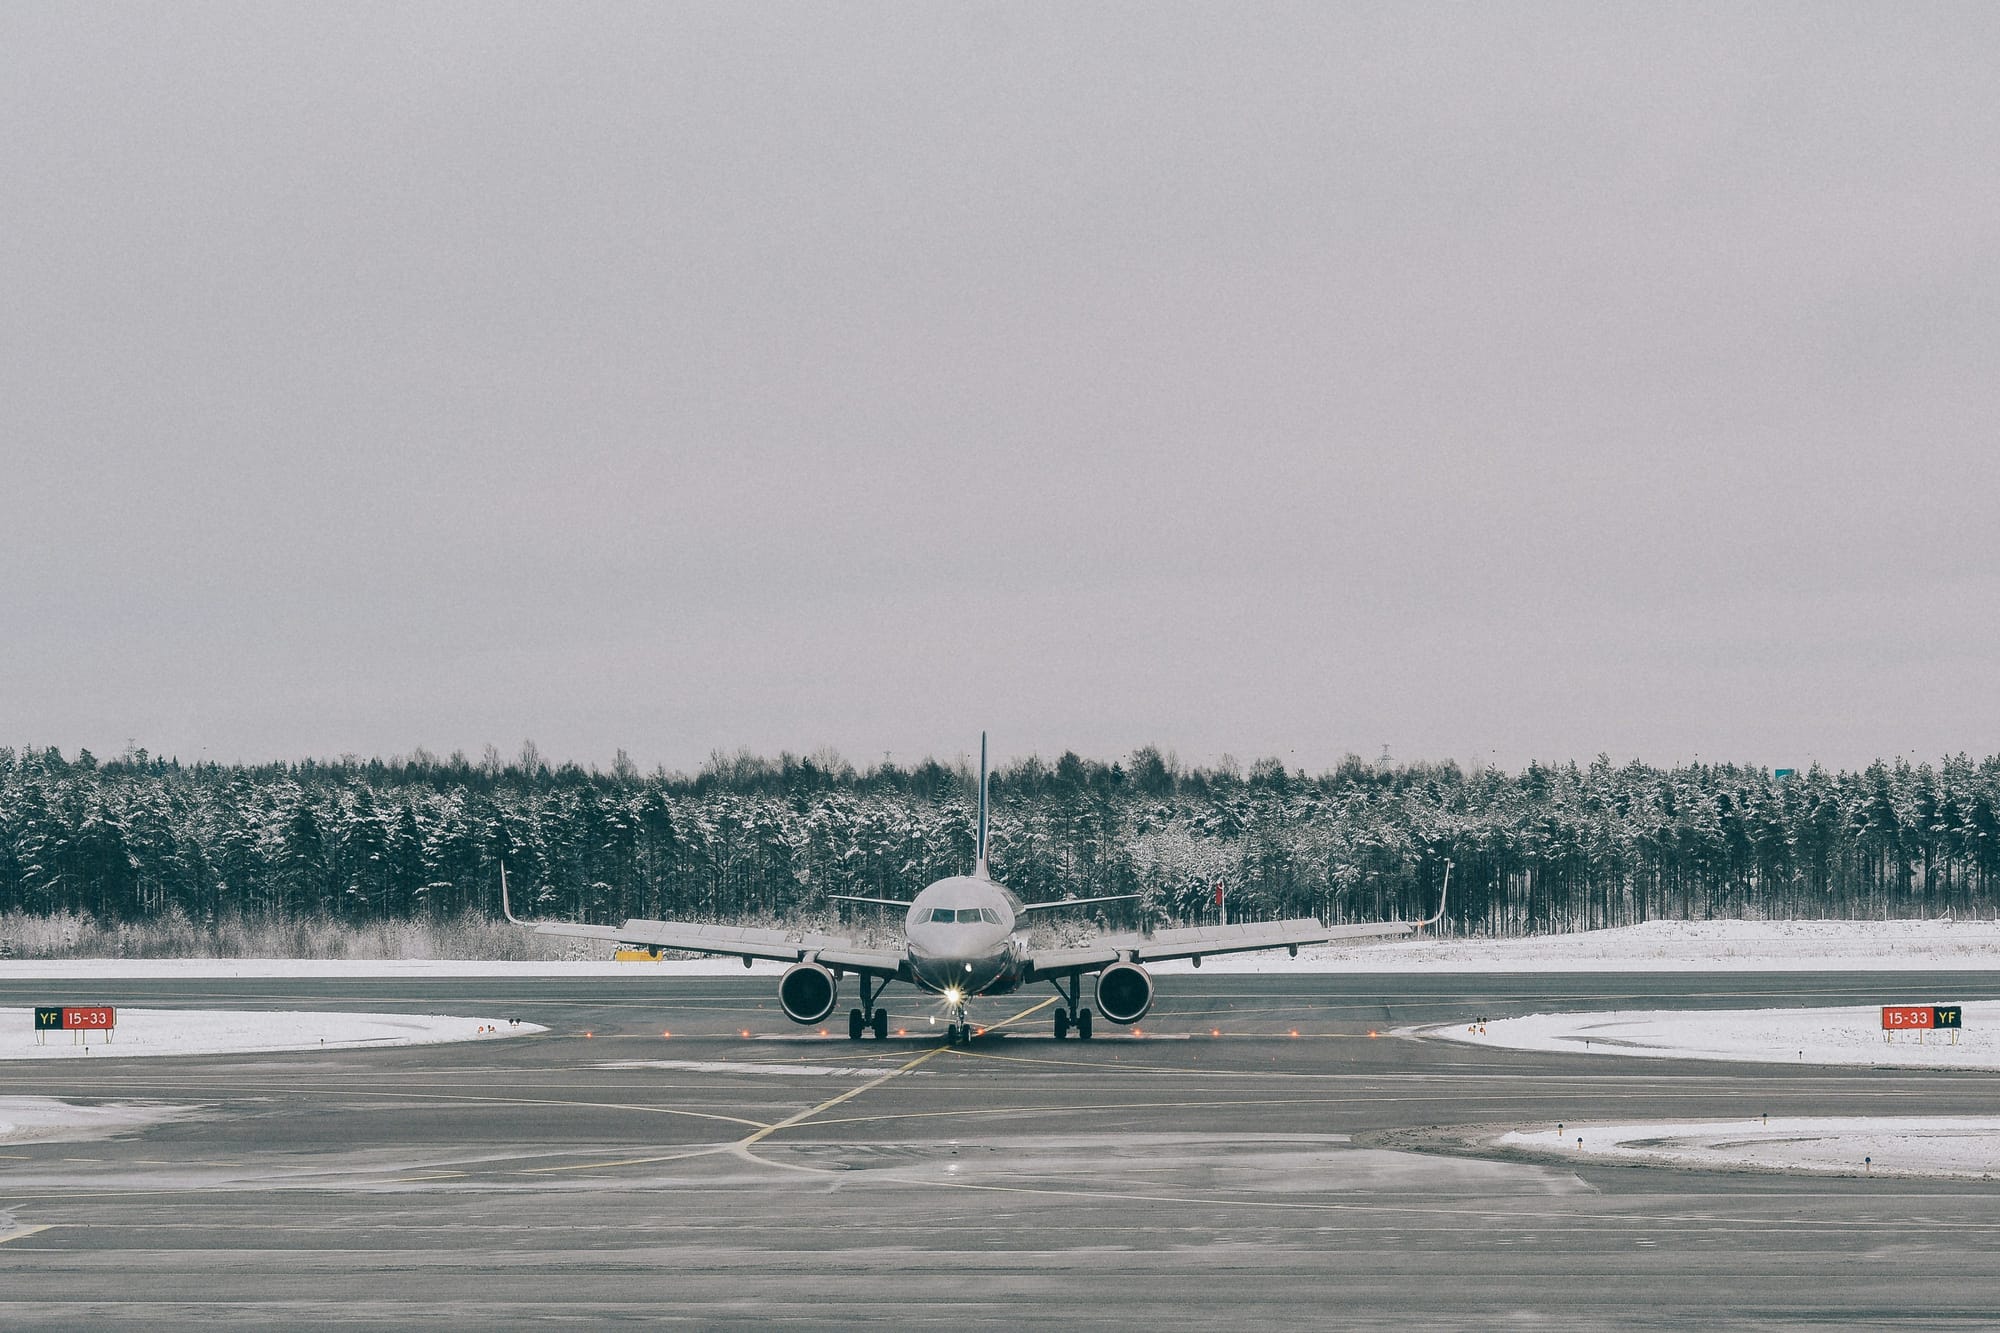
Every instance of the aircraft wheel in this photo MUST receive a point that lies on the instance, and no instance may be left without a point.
(881, 1024)
(1083, 1024)
(854, 1025)
(1062, 1023)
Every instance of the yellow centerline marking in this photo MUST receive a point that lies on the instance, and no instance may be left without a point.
(744, 1144)
(1226, 1103)
(676, 1156)
(760, 1135)
(19, 1232)
(761, 1132)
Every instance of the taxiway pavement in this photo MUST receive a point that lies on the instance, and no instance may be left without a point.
(1216, 1170)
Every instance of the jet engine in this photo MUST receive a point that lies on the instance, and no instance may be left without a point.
(808, 992)
(1124, 992)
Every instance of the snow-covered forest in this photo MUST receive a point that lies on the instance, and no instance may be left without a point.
(1550, 848)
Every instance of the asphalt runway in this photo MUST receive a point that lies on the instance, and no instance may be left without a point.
(1214, 1171)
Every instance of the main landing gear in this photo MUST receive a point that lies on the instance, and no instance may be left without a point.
(868, 1017)
(1075, 1016)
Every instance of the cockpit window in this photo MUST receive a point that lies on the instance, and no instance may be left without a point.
(965, 914)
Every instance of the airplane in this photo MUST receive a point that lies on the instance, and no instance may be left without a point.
(963, 938)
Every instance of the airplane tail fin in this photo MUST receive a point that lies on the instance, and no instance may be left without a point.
(979, 865)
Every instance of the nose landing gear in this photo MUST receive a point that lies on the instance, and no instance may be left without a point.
(958, 1032)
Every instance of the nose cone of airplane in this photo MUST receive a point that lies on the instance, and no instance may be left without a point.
(972, 963)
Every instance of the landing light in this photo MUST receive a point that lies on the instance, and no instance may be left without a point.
(953, 995)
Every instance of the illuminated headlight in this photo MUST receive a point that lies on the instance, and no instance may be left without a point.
(952, 995)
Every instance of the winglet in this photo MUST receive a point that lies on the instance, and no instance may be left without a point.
(979, 865)
(506, 908)
(1438, 915)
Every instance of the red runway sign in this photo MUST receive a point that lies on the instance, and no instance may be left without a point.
(1896, 1017)
(75, 1018)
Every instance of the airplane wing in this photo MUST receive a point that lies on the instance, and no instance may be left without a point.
(1194, 942)
(1075, 902)
(745, 942)
(1199, 942)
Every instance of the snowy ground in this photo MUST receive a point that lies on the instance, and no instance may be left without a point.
(209, 1032)
(1962, 1146)
(1658, 946)
(309, 969)
(1849, 1035)
(1674, 946)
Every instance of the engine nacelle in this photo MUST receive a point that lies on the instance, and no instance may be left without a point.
(808, 992)
(1124, 992)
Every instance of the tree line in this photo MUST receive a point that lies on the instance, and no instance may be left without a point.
(1552, 847)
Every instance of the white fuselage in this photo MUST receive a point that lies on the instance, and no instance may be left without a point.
(960, 933)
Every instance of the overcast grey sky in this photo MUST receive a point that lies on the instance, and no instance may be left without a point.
(1492, 382)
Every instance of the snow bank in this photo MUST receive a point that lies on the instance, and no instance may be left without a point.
(1958, 1146)
(1848, 1035)
(222, 1032)
(1657, 946)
